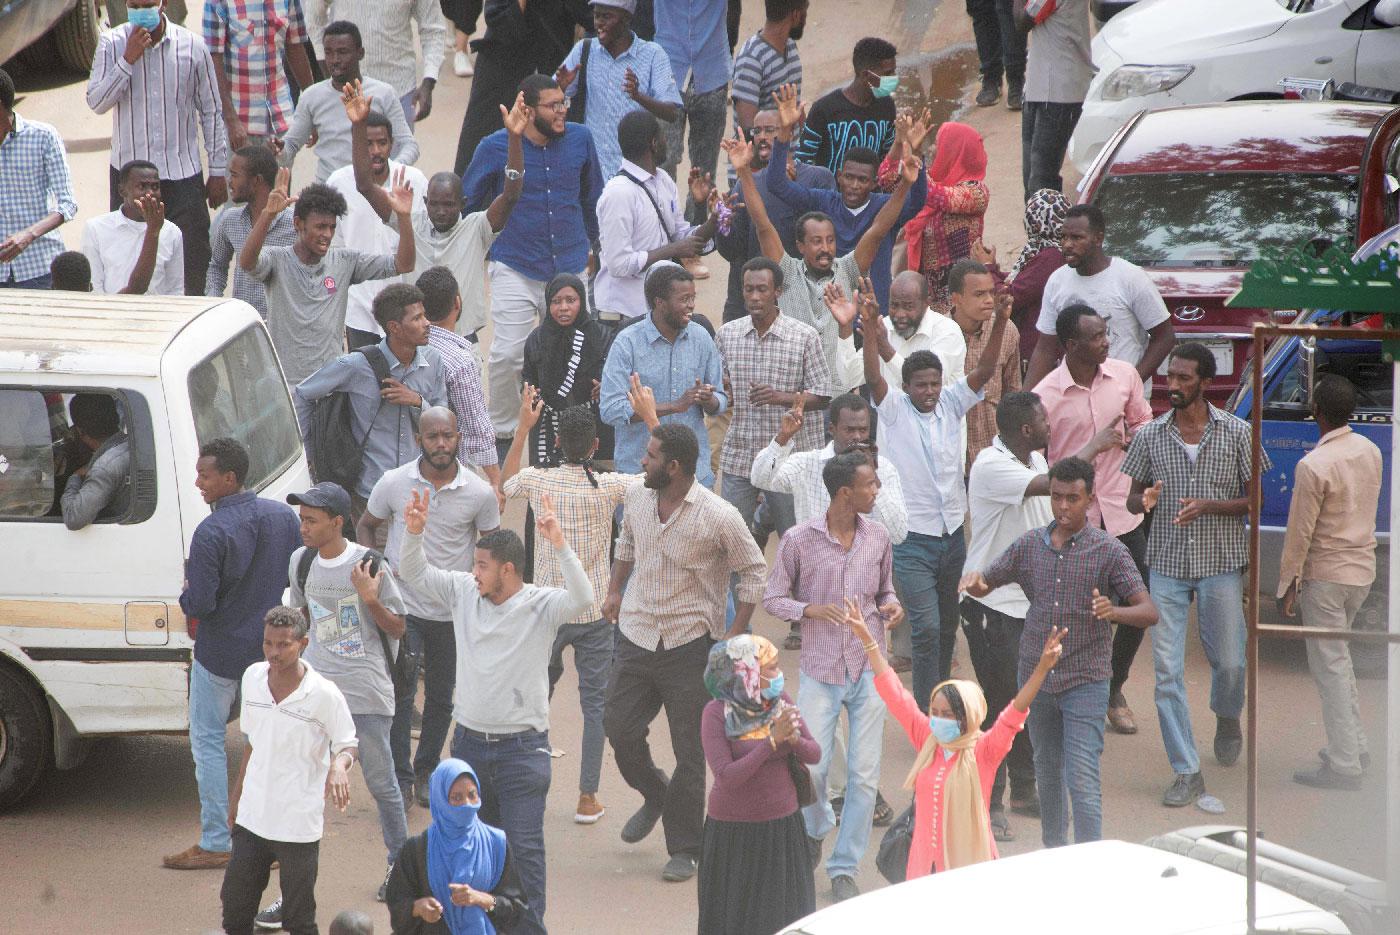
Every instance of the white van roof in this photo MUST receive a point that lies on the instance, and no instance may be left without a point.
(86, 332)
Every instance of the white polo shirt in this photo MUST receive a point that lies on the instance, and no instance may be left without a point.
(1000, 514)
(293, 742)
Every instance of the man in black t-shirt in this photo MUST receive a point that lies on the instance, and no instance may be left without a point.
(860, 114)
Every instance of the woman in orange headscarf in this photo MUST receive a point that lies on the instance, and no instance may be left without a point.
(951, 220)
(957, 762)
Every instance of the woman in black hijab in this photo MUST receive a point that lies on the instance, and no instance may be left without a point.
(564, 361)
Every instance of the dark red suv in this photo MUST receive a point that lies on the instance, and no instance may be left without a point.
(1192, 194)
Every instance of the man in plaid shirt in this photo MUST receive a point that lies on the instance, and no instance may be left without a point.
(247, 39)
(1194, 462)
(34, 167)
(1070, 571)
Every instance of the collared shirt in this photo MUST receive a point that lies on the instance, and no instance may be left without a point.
(284, 788)
(1220, 470)
(458, 512)
(227, 235)
(936, 333)
(681, 568)
(669, 369)
(1331, 532)
(585, 514)
(1060, 584)
(926, 447)
(695, 35)
(629, 227)
(1006, 378)
(780, 470)
(803, 299)
(812, 567)
(999, 513)
(106, 490)
(235, 575)
(252, 36)
(319, 110)
(607, 102)
(364, 230)
(112, 242)
(477, 442)
(462, 248)
(1077, 413)
(163, 102)
(34, 165)
(788, 358)
(387, 28)
(552, 226)
(388, 429)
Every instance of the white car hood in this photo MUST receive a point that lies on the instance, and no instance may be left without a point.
(1170, 32)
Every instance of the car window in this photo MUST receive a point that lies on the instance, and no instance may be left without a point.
(238, 392)
(29, 447)
(1362, 364)
(1221, 219)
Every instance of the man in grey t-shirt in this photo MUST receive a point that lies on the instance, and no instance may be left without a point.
(1058, 70)
(356, 614)
(308, 284)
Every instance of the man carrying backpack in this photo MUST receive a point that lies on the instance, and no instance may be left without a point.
(359, 413)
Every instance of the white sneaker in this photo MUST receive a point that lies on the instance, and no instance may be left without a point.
(462, 65)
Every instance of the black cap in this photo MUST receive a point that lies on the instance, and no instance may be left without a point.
(324, 496)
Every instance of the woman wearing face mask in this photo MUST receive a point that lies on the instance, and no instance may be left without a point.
(952, 775)
(455, 878)
(755, 867)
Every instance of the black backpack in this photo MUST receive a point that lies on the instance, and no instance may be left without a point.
(331, 447)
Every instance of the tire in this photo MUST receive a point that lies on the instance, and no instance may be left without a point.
(26, 736)
(76, 36)
(1369, 660)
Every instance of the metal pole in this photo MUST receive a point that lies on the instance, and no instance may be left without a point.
(1251, 747)
(1392, 857)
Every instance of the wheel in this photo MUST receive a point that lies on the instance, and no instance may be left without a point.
(76, 36)
(26, 736)
(1369, 659)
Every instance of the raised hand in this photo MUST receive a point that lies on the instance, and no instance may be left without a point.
(918, 129)
(643, 402)
(518, 117)
(564, 77)
(1050, 654)
(278, 199)
(531, 406)
(415, 512)
(547, 524)
(739, 151)
(789, 108)
(702, 186)
(792, 419)
(983, 254)
(1150, 496)
(153, 210)
(356, 104)
(867, 302)
(853, 618)
(842, 308)
(400, 194)
(909, 169)
(1003, 304)
(1103, 608)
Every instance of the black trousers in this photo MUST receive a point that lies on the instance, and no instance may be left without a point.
(994, 642)
(642, 683)
(187, 209)
(1126, 640)
(463, 14)
(246, 877)
(497, 81)
(1001, 47)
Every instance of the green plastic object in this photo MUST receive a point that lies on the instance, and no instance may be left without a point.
(1300, 278)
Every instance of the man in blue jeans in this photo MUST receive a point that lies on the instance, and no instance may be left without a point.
(1194, 462)
(505, 632)
(1071, 572)
(235, 574)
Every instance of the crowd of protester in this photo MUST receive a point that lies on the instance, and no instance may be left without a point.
(938, 444)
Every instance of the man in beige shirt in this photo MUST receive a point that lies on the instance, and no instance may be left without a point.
(679, 544)
(1328, 565)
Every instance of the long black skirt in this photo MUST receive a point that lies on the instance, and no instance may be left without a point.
(755, 876)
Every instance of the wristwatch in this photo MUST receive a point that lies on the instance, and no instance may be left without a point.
(514, 175)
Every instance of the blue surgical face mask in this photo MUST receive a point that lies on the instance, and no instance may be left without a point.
(886, 86)
(945, 729)
(147, 18)
(774, 688)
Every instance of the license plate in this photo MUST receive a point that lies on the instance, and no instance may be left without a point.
(1224, 352)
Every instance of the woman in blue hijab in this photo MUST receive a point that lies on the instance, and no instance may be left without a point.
(455, 878)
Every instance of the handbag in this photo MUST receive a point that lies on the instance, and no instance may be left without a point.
(892, 859)
(801, 781)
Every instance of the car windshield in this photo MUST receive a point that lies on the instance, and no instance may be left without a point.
(1221, 219)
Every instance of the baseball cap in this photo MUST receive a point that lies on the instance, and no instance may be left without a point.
(629, 5)
(326, 496)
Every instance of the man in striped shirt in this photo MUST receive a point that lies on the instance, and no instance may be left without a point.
(252, 174)
(160, 83)
(768, 60)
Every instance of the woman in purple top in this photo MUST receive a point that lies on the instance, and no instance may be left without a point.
(755, 866)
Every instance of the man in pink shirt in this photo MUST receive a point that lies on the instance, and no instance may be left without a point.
(1086, 393)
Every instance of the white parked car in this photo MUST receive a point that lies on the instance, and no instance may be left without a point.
(1161, 53)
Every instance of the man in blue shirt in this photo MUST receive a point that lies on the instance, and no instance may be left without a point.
(236, 572)
(385, 416)
(855, 203)
(673, 356)
(552, 230)
(35, 169)
(692, 33)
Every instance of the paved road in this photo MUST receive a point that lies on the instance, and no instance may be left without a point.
(82, 855)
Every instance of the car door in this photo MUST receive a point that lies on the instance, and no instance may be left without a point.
(1378, 51)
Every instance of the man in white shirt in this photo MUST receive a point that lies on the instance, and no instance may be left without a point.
(300, 745)
(362, 227)
(640, 221)
(113, 241)
(1140, 331)
(911, 326)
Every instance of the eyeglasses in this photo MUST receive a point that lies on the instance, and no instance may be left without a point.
(558, 107)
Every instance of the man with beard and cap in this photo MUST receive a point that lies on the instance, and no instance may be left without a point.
(640, 222)
(443, 234)
(463, 507)
(552, 230)
(252, 173)
(1194, 461)
(679, 544)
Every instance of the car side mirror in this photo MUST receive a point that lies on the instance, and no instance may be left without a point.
(1307, 358)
